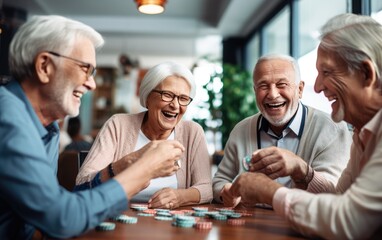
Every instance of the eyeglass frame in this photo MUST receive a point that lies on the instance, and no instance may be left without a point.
(91, 70)
(161, 92)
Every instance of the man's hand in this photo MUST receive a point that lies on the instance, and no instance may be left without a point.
(277, 162)
(132, 157)
(226, 196)
(158, 160)
(254, 188)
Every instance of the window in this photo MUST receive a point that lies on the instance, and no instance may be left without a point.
(252, 52)
(276, 34)
(310, 23)
(376, 10)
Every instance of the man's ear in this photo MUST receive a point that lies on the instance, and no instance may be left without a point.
(301, 86)
(44, 67)
(370, 74)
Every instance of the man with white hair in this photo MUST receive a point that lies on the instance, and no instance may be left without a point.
(291, 143)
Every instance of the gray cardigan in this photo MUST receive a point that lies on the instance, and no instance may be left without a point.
(324, 145)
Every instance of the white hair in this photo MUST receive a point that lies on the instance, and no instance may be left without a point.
(159, 73)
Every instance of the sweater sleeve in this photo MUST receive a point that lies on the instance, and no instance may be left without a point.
(354, 214)
(237, 146)
(201, 167)
(101, 154)
(326, 147)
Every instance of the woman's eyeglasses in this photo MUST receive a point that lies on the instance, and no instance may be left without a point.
(168, 96)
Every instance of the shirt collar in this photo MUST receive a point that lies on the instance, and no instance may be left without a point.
(374, 123)
(45, 132)
(294, 124)
(370, 128)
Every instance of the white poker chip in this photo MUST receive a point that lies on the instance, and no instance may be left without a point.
(105, 226)
(246, 162)
(177, 163)
(127, 219)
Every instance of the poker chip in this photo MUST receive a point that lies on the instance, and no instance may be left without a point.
(200, 209)
(235, 215)
(145, 214)
(115, 218)
(227, 213)
(150, 211)
(236, 222)
(163, 218)
(184, 221)
(163, 214)
(161, 210)
(187, 212)
(178, 163)
(176, 213)
(219, 217)
(246, 162)
(244, 213)
(139, 207)
(203, 225)
(199, 214)
(105, 226)
(133, 205)
(211, 213)
(127, 219)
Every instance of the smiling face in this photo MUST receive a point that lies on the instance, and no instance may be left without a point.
(163, 116)
(68, 82)
(277, 93)
(340, 86)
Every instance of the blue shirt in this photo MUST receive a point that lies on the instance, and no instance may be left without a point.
(30, 195)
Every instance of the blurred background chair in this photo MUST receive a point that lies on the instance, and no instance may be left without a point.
(68, 166)
(81, 157)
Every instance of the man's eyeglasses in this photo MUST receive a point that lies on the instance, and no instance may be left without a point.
(167, 96)
(91, 70)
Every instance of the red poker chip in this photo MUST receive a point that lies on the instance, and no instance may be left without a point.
(149, 211)
(236, 222)
(224, 208)
(203, 225)
(138, 205)
(245, 213)
(176, 212)
(187, 211)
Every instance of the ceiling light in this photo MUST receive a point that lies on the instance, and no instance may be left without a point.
(151, 6)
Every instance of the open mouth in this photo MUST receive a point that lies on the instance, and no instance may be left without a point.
(332, 98)
(78, 94)
(169, 114)
(275, 105)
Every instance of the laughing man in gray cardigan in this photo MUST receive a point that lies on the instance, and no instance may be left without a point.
(292, 143)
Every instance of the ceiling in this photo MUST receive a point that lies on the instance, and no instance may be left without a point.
(183, 30)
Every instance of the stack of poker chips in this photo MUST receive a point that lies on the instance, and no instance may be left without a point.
(202, 225)
(200, 211)
(184, 221)
(125, 219)
(163, 215)
(139, 207)
(235, 222)
(105, 226)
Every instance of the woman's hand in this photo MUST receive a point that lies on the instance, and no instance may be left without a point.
(167, 198)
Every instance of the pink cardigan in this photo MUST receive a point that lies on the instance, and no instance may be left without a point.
(119, 135)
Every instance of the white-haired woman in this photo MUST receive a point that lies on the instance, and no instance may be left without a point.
(166, 91)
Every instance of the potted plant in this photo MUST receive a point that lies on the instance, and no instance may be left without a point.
(234, 101)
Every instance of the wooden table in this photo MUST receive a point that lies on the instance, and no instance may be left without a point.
(263, 224)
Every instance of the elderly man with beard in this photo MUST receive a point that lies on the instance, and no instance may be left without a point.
(349, 74)
(290, 142)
